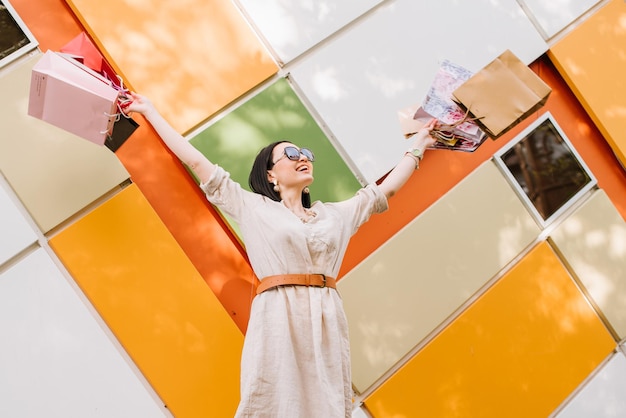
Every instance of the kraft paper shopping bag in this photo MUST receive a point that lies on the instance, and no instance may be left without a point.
(502, 94)
(69, 95)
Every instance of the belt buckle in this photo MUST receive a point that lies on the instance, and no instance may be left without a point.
(323, 280)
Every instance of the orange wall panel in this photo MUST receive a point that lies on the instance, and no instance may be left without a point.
(518, 351)
(194, 223)
(191, 59)
(596, 72)
(51, 22)
(156, 304)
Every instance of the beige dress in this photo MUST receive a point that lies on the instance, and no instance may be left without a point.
(296, 356)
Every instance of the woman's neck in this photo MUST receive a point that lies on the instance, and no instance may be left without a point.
(293, 203)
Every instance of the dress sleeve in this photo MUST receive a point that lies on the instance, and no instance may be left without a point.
(366, 202)
(227, 194)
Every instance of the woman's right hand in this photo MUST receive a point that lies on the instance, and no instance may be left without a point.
(139, 104)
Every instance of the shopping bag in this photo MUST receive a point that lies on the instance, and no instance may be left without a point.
(122, 130)
(456, 131)
(83, 49)
(502, 94)
(65, 93)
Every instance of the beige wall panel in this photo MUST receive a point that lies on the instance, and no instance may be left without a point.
(54, 173)
(403, 291)
(593, 243)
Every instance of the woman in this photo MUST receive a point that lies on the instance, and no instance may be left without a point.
(296, 358)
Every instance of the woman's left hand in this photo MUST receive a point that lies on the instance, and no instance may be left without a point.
(423, 138)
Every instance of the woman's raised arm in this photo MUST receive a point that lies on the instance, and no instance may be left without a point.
(409, 163)
(187, 153)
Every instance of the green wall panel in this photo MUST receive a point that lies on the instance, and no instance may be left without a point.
(276, 113)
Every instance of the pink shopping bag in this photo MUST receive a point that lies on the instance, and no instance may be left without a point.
(71, 96)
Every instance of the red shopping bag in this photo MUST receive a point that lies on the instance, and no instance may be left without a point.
(67, 94)
(82, 49)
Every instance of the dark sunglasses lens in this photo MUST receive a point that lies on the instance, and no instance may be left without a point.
(308, 154)
(292, 153)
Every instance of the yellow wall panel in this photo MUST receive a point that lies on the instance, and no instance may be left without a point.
(54, 173)
(593, 242)
(596, 72)
(191, 58)
(156, 303)
(420, 276)
(518, 351)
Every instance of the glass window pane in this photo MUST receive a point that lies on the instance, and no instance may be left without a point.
(546, 168)
(14, 37)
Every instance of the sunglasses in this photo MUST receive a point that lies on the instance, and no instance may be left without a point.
(293, 154)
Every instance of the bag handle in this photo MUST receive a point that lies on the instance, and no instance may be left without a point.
(443, 133)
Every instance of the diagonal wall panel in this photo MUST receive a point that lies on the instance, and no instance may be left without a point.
(15, 232)
(603, 395)
(553, 17)
(293, 27)
(596, 74)
(191, 58)
(156, 304)
(54, 173)
(593, 242)
(234, 141)
(418, 278)
(518, 351)
(56, 361)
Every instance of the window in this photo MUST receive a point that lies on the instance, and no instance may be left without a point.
(545, 169)
(15, 39)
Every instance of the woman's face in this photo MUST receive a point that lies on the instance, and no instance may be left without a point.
(290, 172)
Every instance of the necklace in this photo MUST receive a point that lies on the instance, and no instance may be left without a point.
(308, 214)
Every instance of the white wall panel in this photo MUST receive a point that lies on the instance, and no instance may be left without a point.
(55, 359)
(553, 16)
(15, 232)
(603, 396)
(292, 27)
(360, 413)
(358, 82)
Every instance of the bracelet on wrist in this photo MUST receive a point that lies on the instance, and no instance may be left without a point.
(416, 152)
(417, 160)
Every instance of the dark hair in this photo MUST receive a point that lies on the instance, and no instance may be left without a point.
(258, 175)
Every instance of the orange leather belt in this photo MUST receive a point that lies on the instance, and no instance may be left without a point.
(315, 280)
